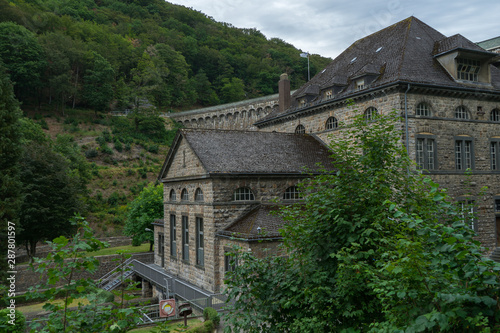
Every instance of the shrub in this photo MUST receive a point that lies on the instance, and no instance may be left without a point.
(153, 149)
(212, 315)
(118, 146)
(5, 321)
(91, 153)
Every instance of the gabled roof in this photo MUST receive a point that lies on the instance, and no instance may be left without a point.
(252, 152)
(489, 44)
(259, 223)
(401, 53)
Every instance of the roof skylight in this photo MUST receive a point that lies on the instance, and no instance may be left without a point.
(354, 59)
(380, 48)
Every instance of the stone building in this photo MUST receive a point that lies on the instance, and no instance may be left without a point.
(447, 94)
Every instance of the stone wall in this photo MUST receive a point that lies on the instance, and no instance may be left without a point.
(26, 277)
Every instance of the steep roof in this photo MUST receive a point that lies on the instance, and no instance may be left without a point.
(252, 152)
(259, 223)
(403, 52)
(492, 43)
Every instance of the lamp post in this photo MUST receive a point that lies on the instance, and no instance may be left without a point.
(306, 55)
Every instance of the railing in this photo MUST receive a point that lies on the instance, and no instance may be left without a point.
(119, 271)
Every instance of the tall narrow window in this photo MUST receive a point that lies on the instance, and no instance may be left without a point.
(173, 196)
(243, 194)
(331, 123)
(184, 195)
(300, 129)
(464, 154)
(468, 213)
(198, 195)
(161, 248)
(173, 236)
(495, 115)
(185, 238)
(426, 153)
(495, 154)
(461, 112)
(200, 242)
(230, 261)
(423, 109)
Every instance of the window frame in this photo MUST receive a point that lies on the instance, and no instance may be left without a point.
(300, 129)
(292, 193)
(198, 195)
(173, 236)
(495, 115)
(419, 109)
(200, 242)
(462, 159)
(470, 204)
(371, 113)
(460, 111)
(423, 162)
(494, 145)
(230, 262)
(161, 247)
(331, 123)
(173, 195)
(184, 195)
(185, 238)
(245, 192)
(468, 69)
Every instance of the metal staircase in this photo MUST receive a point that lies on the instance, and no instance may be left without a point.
(495, 255)
(114, 278)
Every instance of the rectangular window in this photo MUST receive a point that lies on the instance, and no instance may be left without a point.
(468, 69)
(185, 238)
(426, 153)
(468, 213)
(464, 154)
(173, 236)
(161, 248)
(230, 262)
(497, 205)
(494, 154)
(200, 242)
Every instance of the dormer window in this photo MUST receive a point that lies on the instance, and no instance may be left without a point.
(360, 84)
(328, 94)
(468, 69)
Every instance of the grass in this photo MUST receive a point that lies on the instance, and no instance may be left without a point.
(36, 308)
(123, 249)
(177, 326)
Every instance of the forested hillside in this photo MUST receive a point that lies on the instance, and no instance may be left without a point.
(110, 54)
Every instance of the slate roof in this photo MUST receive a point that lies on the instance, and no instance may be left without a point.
(252, 152)
(491, 43)
(261, 217)
(403, 52)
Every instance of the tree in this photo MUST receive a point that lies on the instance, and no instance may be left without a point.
(374, 247)
(98, 83)
(232, 90)
(144, 210)
(68, 258)
(10, 152)
(51, 195)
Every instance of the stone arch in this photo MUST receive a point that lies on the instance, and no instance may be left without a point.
(208, 122)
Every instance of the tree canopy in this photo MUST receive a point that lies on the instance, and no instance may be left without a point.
(374, 247)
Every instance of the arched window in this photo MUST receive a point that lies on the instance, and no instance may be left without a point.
(198, 195)
(243, 194)
(423, 109)
(292, 193)
(331, 123)
(300, 129)
(184, 195)
(371, 113)
(461, 112)
(173, 196)
(495, 115)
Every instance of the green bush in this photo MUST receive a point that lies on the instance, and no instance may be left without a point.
(6, 323)
(91, 153)
(212, 315)
(119, 146)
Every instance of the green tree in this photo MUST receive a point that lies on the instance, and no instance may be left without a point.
(69, 258)
(23, 57)
(144, 210)
(98, 83)
(374, 247)
(10, 152)
(51, 195)
(233, 90)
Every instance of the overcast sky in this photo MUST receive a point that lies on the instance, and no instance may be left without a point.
(327, 27)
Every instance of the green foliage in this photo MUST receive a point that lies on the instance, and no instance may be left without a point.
(69, 257)
(12, 321)
(212, 315)
(147, 207)
(98, 88)
(374, 247)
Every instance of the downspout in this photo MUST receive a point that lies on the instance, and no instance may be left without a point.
(406, 121)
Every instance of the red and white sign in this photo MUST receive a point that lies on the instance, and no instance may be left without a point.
(167, 307)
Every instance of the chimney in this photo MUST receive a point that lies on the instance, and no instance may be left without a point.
(284, 92)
